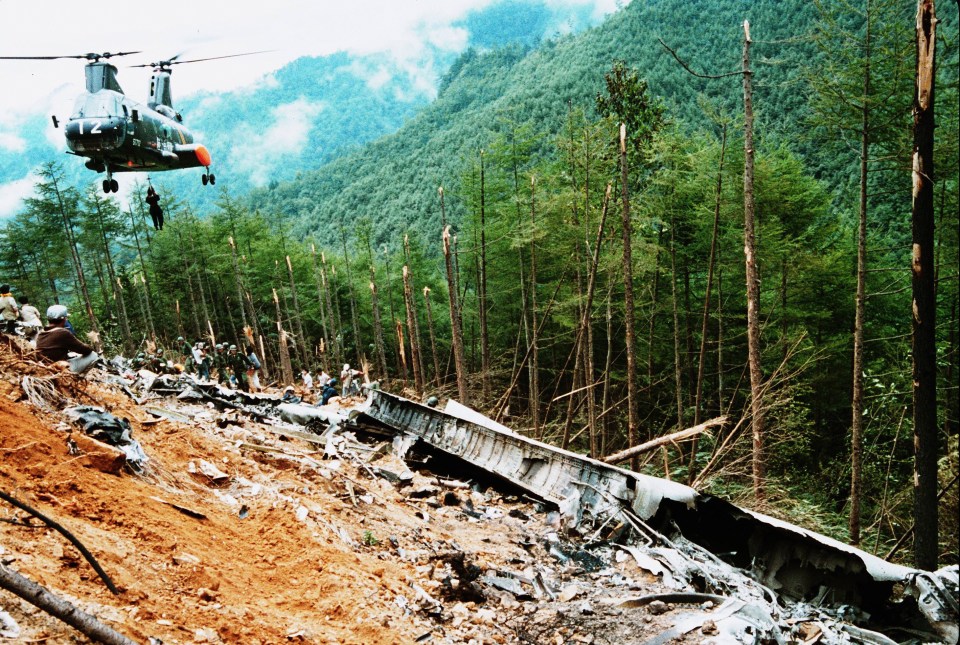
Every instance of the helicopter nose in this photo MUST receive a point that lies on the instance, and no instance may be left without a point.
(94, 134)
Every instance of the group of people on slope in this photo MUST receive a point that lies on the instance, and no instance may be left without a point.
(327, 385)
(56, 341)
(221, 362)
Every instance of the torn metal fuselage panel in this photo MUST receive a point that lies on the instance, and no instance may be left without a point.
(578, 485)
(794, 563)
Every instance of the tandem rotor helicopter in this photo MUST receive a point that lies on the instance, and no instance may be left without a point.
(117, 134)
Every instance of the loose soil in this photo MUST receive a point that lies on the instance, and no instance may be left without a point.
(291, 548)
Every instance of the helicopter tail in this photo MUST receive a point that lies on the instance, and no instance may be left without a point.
(193, 154)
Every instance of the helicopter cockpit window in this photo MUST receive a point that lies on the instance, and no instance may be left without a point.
(97, 104)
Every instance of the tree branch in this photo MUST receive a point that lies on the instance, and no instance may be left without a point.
(687, 67)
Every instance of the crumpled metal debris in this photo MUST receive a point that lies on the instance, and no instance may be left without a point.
(768, 564)
(105, 427)
(8, 626)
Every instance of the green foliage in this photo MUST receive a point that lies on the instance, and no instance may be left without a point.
(528, 118)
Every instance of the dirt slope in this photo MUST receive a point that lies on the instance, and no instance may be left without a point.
(262, 579)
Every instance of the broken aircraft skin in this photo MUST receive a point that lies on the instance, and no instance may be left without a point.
(793, 566)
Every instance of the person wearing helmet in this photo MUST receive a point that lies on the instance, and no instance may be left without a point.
(186, 349)
(56, 342)
(219, 363)
(238, 365)
(9, 311)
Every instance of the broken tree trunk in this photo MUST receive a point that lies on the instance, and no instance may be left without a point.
(484, 333)
(925, 435)
(324, 325)
(353, 299)
(237, 282)
(456, 330)
(674, 437)
(533, 375)
(298, 319)
(411, 331)
(39, 596)
(632, 403)
(753, 279)
(415, 332)
(286, 369)
(437, 374)
(711, 263)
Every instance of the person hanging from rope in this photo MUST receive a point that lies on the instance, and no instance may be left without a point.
(155, 211)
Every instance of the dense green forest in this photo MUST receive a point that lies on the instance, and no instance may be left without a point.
(519, 156)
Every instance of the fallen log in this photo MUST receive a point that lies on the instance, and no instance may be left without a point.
(39, 596)
(653, 444)
(67, 534)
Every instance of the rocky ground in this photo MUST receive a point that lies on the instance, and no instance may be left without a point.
(235, 533)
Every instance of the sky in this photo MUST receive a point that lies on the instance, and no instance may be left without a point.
(283, 30)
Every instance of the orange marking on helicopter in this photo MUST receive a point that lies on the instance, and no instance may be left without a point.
(183, 140)
(203, 156)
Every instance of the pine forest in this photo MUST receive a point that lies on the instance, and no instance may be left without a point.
(682, 216)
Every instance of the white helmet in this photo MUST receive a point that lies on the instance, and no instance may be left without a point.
(57, 312)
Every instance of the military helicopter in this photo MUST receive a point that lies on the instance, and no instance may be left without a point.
(117, 134)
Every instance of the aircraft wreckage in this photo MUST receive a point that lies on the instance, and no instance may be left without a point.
(765, 572)
(751, 578)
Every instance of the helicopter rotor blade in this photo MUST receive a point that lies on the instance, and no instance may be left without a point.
(91, 56)
(173, 59)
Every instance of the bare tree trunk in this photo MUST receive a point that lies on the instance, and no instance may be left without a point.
(484, 331)
(415, 331)
(114, 283)
(77, 265)
(332, 314)
(720, 363)
(40, 597)
(298, 318)
(607, 367)
(925, 543)
(455, 328)
(353, 299)
(237, 281)
(286, 369)
(633, 421)
(583, 332)
(677, 368)
(411, 329)
(437, 374)
(534, 368)
(856, 425)
(203, 294)
(324, 325)
(398, 328)
(379, 343)
(698, 397)
(753, 280)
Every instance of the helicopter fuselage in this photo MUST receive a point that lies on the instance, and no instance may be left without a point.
(118, 134)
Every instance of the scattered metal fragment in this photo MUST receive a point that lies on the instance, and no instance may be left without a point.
(787, 565)
(105, 427)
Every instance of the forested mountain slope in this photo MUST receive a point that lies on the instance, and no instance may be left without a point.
(394, 180)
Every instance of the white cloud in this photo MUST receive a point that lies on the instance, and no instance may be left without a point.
(12, 195)
(12, 142)
(289, 133)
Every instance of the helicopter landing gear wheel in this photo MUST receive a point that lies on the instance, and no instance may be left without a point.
(204, 179)
(213, 179)
(114, 186)
(106, 185)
